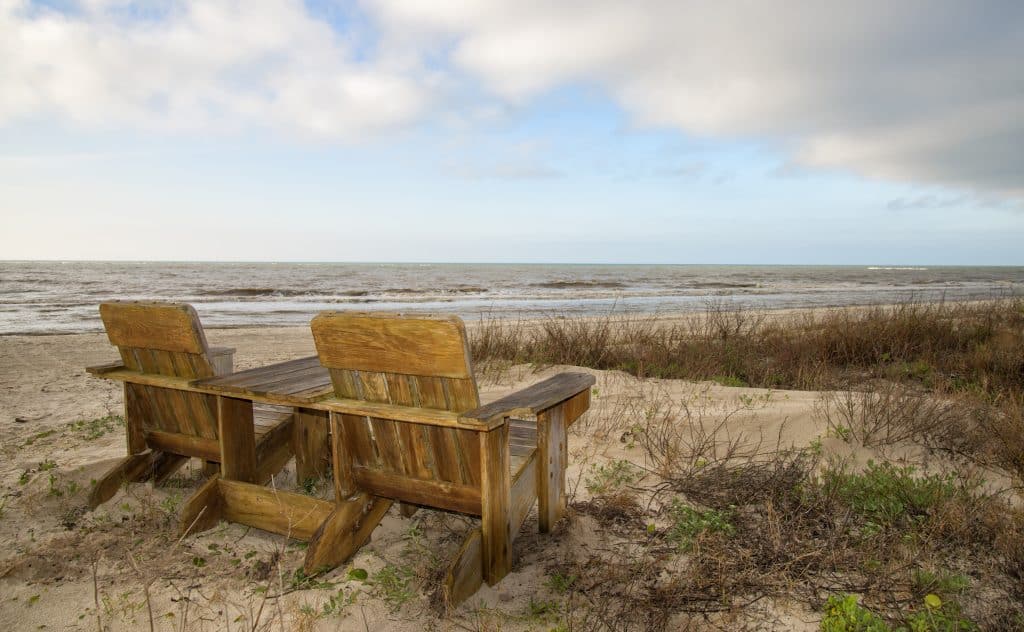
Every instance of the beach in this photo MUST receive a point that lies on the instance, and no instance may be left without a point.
(58, 562)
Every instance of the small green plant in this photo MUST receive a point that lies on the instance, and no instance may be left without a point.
(543, 609)
(90, 429)
(937, 616)
(59, 489)
(198, 561)
(611, 476)
(47, 465)
(844, 614)
(310, 486)
(24, 478)
(358, 574)
(301, 581)
(729, 380)
(689, 523)
(337, 604)
(840, 431)
(393, 585)
(886, 495)
(561, 583)
(940, 582)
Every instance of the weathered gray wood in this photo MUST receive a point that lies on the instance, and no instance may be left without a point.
(534, 399)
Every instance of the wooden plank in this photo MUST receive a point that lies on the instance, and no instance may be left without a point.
(341, 462)
(165, 326)
(391, 343)
(203, 509)
(310, 444)
(534, 399)
(552, 460)
(285, 513)
(524, 493)
(359, 441)
(495, 523)
(574, 407)
(134, 417)
(429, 392)
(440, 494)
(240, 381)
(237, 439)
(131, 468)
(343, 532)
(388, 447)
(426, 416)
(445, 454)
(222, 360)
(190, 445)
(465, 572)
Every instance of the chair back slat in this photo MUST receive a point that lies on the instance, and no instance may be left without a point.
(415, 361)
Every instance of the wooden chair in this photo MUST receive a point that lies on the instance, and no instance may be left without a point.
(407, 426)
(165, 425)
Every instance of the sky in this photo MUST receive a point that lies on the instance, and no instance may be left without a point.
(650, 131)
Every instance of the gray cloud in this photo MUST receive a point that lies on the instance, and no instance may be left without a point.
(927, 91)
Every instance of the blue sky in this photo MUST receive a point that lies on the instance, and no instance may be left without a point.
(590, 132)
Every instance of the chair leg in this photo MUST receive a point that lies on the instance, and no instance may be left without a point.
(552, 458)
(465, 572)
(345, 530)
(134, 467)
(495, 518)
(203, 509)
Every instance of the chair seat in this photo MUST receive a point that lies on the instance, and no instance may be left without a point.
(522, 442)
(266, 417)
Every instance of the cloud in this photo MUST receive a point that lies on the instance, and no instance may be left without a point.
(199, 65)
(924, 90)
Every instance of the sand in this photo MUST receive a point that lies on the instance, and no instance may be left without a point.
(57, 564)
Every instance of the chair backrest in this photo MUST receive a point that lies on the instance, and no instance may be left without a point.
(414, 361)
(164, 339)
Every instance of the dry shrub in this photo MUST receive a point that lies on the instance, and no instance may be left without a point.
(947, 346)
(891, 413)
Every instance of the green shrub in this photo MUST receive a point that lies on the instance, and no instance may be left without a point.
(689, 523)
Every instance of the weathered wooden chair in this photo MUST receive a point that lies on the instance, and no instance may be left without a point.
(162, 348)
(407, 426)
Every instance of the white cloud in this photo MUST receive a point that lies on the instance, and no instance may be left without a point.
(926, 91)
(198, 65)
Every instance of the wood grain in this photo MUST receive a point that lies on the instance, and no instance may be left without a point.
(534, 399)
(389, 343)
(285, 513)
(495, 523)
(164, 326)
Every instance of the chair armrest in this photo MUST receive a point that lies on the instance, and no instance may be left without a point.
(534, 399)
(101, 369)
(223, 360)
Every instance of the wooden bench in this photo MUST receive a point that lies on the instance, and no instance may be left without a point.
(163, 349)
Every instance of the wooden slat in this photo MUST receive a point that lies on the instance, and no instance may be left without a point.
(165, 326)
(341, 461)
(285, 513)
(440, 494)
(524, 492)
(424, 416)
(134, 418)
(359, 441)
(240, 381)
(309, 442)
(208, 449)
(534, 399)
(131, 468)
(389, 343)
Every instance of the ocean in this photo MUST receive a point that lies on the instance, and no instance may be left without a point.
(62, 296)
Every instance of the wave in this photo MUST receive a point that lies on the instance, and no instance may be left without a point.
(895, 268)
(711, 285)
(565, 285)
